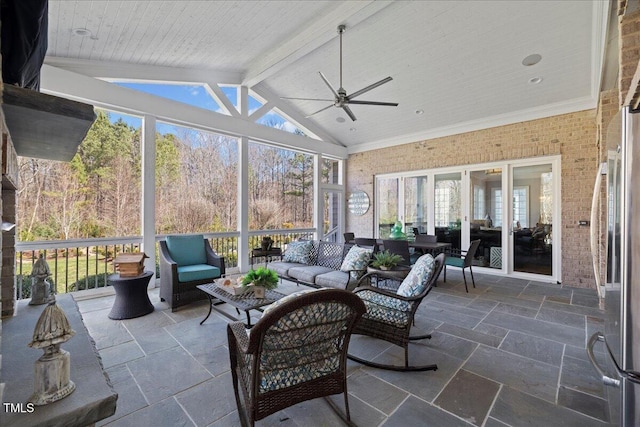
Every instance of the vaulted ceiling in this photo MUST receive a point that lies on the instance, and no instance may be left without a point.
(456, 65)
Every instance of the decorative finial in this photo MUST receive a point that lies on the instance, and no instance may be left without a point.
(52, 369)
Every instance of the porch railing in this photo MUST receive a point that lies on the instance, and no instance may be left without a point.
(86, 263)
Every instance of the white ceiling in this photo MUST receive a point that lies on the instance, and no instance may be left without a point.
(460, 62)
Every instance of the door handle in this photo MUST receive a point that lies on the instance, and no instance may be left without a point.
(594, 230)
(606, 380)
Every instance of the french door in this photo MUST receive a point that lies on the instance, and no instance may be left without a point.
(511, 207)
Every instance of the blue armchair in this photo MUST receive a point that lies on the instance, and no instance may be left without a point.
(185, 262)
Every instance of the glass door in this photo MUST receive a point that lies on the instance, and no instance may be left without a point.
(387, 205)
(448, 208)
(485, 212)
(415, 204)
(331, 219)
(532, 219)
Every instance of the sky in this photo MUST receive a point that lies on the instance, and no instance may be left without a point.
(197, 96)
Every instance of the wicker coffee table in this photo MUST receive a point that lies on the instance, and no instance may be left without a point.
(243, 302)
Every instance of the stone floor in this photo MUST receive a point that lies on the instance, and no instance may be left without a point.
(509, 353)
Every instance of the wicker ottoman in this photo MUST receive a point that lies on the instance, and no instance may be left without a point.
(132, 299)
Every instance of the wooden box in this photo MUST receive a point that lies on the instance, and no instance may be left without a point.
(130, 264)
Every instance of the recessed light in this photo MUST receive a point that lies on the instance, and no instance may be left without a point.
(340, 119)
(531, 60)
(82, 32)
(419, 112)
(535, 80)
(352, 129)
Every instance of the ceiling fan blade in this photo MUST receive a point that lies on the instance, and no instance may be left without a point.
(328, 84)
(389, 104)
(307, 99)
(349, 112)
(319, 111)
(368, 88)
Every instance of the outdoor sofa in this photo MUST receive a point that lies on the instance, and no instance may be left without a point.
(322, 264)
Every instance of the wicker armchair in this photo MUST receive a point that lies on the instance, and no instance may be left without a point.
(185, 262)
(295, 352)
(390, 315)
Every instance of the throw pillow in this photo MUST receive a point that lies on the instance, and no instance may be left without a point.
(298, 252)
(357, 259)
(418, 277)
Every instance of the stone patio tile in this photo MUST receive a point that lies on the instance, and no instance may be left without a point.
(482, 305)
(96, 304)
(448, 316)
(535, 348)
(416, 412)
(449, 344)
(578, 374)
(456, 308)
(468, 396)
(104, 331)
(118, 373)
(154, 340)
(166, 413)
(563, 300)
(546, 290)
(522, 373)
(381, 395)
(488, 329)
(362, 412)
(121, 353)
(206, 342)
(561, 317)
(584, 403)
(585, 300)
(426, 385)
(492, 422)
(512, 281)
(516, 309)
(166, 373)
(458, 300)
(519, 409)
(499, 296)
(471, 335)
(577, 309)
(318, 413)
(553, 331)
(130, 399)
(209, 401)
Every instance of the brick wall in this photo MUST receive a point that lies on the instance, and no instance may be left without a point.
(572, 136)
(629, 42)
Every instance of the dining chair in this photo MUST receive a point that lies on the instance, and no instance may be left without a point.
(400, 247)
(463, 259)
(368, 243)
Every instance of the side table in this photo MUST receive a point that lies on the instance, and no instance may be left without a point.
(132, 299)
(268, 254)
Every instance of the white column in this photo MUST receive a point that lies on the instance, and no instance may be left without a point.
(318, 208)
(148, 220)
(243, 204)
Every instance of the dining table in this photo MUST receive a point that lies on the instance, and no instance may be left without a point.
(433, 248)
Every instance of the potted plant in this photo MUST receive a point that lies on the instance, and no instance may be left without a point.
(262, 279)
(386, 260)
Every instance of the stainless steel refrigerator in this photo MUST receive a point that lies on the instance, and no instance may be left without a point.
(615, 352)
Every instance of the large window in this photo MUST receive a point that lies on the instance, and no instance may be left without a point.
(280, 188)
(196, 181)
(97, 194)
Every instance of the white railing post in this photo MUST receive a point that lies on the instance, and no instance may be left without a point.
(148, 213)
(318, 199)
(243, 204)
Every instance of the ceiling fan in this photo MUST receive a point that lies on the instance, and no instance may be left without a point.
(341, 98)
